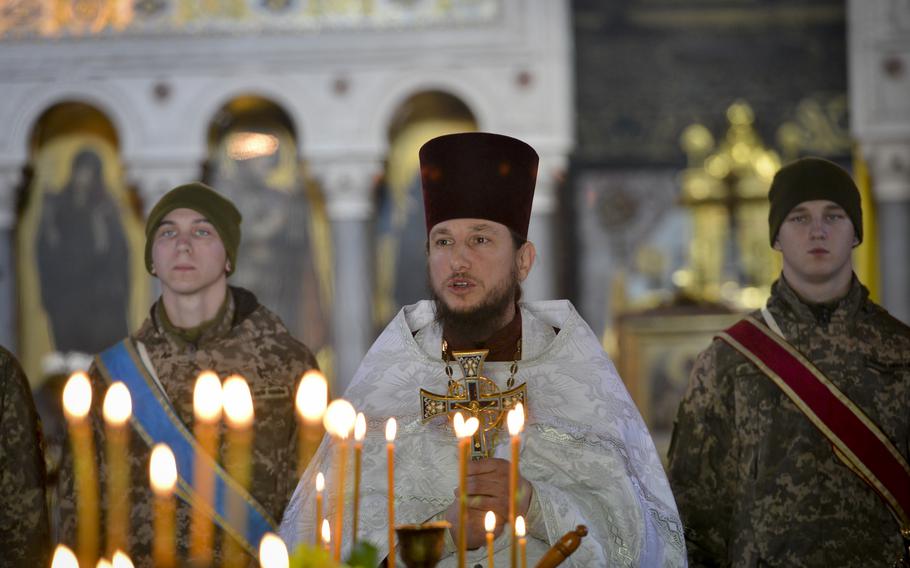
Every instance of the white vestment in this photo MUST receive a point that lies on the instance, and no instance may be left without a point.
(585, 449)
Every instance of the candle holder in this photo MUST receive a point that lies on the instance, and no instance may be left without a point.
(421, 546)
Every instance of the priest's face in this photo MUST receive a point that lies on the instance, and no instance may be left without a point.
(188, 256)
(475, 273)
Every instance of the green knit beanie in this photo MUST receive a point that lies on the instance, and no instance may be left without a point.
(808, 179)
(217, 209)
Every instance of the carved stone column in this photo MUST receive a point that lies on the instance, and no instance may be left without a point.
(541, 283)
(348, 183)
(9, 181)
(889, 165)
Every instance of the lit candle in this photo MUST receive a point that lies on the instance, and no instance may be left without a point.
(117, 409)
(326, 535)
(515, 420)
(103, 563)
(339, 421)
(464, 430)
(64, 558)
(207, 407)
(320, 485)
(163, 477)
(121, 560)
(391, 428)
(77, 401)
(311, 401)
(238, 412)
(489, 523)
(520, 533)
(272, 552)
(360, 430)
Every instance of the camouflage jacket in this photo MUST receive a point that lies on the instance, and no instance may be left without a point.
(24, 530)
(249, 340)
(756, 483)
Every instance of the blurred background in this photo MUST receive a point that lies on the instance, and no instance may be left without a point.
(659, 124)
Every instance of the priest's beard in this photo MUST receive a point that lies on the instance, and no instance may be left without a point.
(485, 319)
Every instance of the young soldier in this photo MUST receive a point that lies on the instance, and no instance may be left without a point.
(792, 413)
(200, 323)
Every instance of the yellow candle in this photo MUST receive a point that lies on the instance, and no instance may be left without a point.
(163, 477)
(489, 523)
(520, 533)
(339, 421)
(320, 485)
(207, 407)
(77, 401)
(272, 552)
(360, 430)
(64, 558)
(464, 430)
(311, 401)
(326, 535)
(515, 420)
(117, 409)
(391, 428)
(238, 412)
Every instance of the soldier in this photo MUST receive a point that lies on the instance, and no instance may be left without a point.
(24, 531)
(200, 323)
(793, 412)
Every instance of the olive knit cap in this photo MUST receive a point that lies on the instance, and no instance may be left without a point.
(216, 208)
(808, 179)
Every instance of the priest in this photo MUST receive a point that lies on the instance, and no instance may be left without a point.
(586, 457)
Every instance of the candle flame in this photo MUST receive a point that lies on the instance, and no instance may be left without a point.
(470, 426)
(272, 552)
(121, 560)
(520, 526)
(207, 397)
(312, 396)
(360, 427)
(326, 531)
(458, 425)
(64, 558)
(339, 418)
(103, 563)
(238, 403)
(320, 482)
(118, 405)
(162, 470)
(77, 395)
(516, 419)
(391, 428)
(489, 521)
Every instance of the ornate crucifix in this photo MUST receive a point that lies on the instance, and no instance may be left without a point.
(474, 395)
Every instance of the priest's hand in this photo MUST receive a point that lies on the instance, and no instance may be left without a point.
(487, 490)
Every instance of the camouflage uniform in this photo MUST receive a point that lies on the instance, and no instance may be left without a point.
(756, 483)
(248, 340)
(24, 532)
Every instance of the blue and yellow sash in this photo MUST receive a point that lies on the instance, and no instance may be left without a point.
(156, 422)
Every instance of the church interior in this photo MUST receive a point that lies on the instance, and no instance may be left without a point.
(659, 125)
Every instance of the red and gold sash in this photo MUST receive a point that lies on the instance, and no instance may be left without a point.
(857, 441)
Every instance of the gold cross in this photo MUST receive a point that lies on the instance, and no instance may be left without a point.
(474, 395)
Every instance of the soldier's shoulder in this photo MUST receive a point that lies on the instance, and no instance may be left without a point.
(889, 326)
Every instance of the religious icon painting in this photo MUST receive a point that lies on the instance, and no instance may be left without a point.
(82, 279)
(285, 256)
